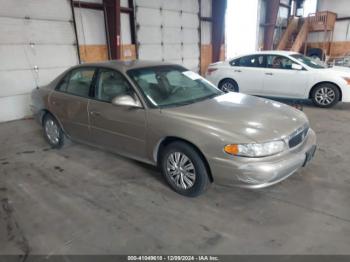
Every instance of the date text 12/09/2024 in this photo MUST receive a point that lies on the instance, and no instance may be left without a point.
(173, 258)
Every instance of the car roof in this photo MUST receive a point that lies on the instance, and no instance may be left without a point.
(268, 52)
(278, 52)
(124, 66)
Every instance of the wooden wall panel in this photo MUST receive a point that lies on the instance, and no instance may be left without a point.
(222, 52)
(97, 53)
(338, 48)
(93, 53)
(128, 52)
(207, 56)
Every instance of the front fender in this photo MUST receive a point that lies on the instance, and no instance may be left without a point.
(208, 139)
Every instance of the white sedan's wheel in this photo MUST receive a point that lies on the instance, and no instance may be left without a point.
(325, 95)
(228, 85)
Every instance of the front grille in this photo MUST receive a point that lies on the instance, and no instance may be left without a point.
(298, 136)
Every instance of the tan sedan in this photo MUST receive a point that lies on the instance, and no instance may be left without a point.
(165, 115)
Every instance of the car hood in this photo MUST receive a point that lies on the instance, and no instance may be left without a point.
(251, 118)
(338, 71)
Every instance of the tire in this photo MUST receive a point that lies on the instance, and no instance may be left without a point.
(325, 95)
(228, 85)
(53, 132)
(197, 173)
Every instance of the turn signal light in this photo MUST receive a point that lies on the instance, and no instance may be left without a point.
(347, 79)
(231, 149)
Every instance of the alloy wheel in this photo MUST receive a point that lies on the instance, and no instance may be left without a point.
(181, 170)
(228, 87)
(52, 131)
(325, 96)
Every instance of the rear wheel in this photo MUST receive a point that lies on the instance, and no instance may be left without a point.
(228, 85)
(53, 132)
(325, 95)
(184, 169)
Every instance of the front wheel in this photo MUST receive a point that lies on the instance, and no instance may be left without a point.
(184, 169)
(325, 95)
(228, 85)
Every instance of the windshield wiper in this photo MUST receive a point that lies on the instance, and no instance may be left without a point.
(194, 100)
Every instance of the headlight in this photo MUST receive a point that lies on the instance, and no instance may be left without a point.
(347, 79)
(256, 150)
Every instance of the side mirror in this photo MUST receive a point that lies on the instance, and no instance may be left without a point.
(296, 67)
(126, 100)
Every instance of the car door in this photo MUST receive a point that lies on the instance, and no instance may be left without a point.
(248, 72)
(120, 129)
(281, 80)
(68, 102)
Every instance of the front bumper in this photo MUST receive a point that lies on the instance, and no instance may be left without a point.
(346, 95)
(265, 171)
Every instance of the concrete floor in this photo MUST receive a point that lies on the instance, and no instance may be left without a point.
(80, 200)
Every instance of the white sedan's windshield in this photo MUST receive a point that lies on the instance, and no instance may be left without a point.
(166, 86)
(308, 61)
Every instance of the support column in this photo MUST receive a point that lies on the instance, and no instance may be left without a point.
(218, 26)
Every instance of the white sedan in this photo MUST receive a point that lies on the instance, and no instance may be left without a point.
(282, 74)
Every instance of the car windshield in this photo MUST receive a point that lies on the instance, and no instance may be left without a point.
(308, 61)
(167, 86)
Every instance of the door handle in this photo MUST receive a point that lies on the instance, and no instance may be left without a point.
(95, 113)
(237, 71)
(269, 74)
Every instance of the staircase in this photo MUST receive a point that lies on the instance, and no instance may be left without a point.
(295, 36)
(301, 37)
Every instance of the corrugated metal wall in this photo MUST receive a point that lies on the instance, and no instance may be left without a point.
(342, 28)
(206, 36)
(341, 37)
(37, 42)
(281, 22)
(168, 30)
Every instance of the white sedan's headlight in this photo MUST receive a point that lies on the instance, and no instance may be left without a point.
(256, 150)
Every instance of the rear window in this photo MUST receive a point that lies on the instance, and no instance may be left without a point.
(249, 61)
(77, 82)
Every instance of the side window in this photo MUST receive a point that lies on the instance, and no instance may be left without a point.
(78, 82)
(62, 85)
(234, 62)
(111, 84)
(149, 84)
(251, 61)
(279, 62)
